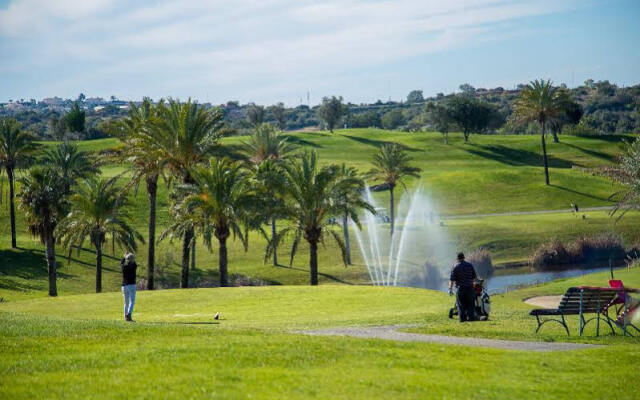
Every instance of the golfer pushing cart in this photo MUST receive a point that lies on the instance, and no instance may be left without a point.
(472, 300)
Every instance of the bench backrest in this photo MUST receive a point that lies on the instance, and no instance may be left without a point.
(594, 300)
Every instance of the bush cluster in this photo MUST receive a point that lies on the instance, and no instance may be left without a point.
(481, 261)
(584, 250)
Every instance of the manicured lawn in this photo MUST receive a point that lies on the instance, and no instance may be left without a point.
(78, 347)
(492, 173)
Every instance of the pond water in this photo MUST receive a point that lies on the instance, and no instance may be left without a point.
(506, 280)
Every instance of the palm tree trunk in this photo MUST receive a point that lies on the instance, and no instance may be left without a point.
(313, 262)
(544, 157)
(391, 209)
(466, 137)
(50, 244)
(347, 244)
(222, 262)
(98, 268)
(152, 194)
(555, 136)
(12, 208)
(273, 240)
(186, 247)
(193, 255)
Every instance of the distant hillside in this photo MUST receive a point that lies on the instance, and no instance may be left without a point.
(602, 108)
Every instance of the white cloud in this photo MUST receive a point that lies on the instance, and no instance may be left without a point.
(242, 44)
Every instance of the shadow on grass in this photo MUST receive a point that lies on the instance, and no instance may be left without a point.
(26, 264)
(582, 193)
(10, 284)
(516, 157)
(378, 143)
(301, 142)
(592, 153)
(105, 251)
(333, 278)
(608, 138)
(22, 263)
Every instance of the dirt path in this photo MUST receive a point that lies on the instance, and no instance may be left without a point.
(506, 214)
(544, 301)
(391, 333)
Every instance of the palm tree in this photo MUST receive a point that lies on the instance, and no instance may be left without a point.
(391, 166)
(627, 173)
(540, 102)
(71, 163)
(16, 148)
(313, 197)
(266, 143)
(43, 199)
(216, 201)
(147, 163)
(349, 202)
(183, 136)
(98, 209)
(265, 152)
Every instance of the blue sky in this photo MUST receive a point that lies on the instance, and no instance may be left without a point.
(278, 50)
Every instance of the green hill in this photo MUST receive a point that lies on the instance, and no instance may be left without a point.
(492, 174)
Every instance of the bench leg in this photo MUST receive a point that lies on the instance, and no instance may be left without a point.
(613, 331)
(582, 323)
(561, 322)
(607, 319)
(625, 317)
(564, 323)
(598, 320)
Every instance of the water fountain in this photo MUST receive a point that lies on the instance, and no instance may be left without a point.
(418, 254)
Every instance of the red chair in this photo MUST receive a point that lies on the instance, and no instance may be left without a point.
(623, 306)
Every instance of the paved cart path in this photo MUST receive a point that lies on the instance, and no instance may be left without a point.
(513, 213)
(392, 333)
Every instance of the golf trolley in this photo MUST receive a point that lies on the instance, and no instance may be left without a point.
(483, 302)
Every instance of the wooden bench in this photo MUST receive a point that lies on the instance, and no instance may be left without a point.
(579, 301)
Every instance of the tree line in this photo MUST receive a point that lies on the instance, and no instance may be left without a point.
(598, 108)
(217, 191)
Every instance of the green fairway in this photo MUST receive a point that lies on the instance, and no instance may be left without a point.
(78, 347)
(490, 174)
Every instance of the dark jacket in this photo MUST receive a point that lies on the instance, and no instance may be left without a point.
(128, 272)
(463, 274)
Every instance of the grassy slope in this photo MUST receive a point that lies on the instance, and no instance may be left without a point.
(76, 347)
(492, 174)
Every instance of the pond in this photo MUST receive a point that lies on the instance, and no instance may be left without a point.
(510, 279)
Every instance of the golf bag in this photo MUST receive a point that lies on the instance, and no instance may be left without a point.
(483, 302)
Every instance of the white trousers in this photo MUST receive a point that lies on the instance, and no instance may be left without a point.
(129, 292)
